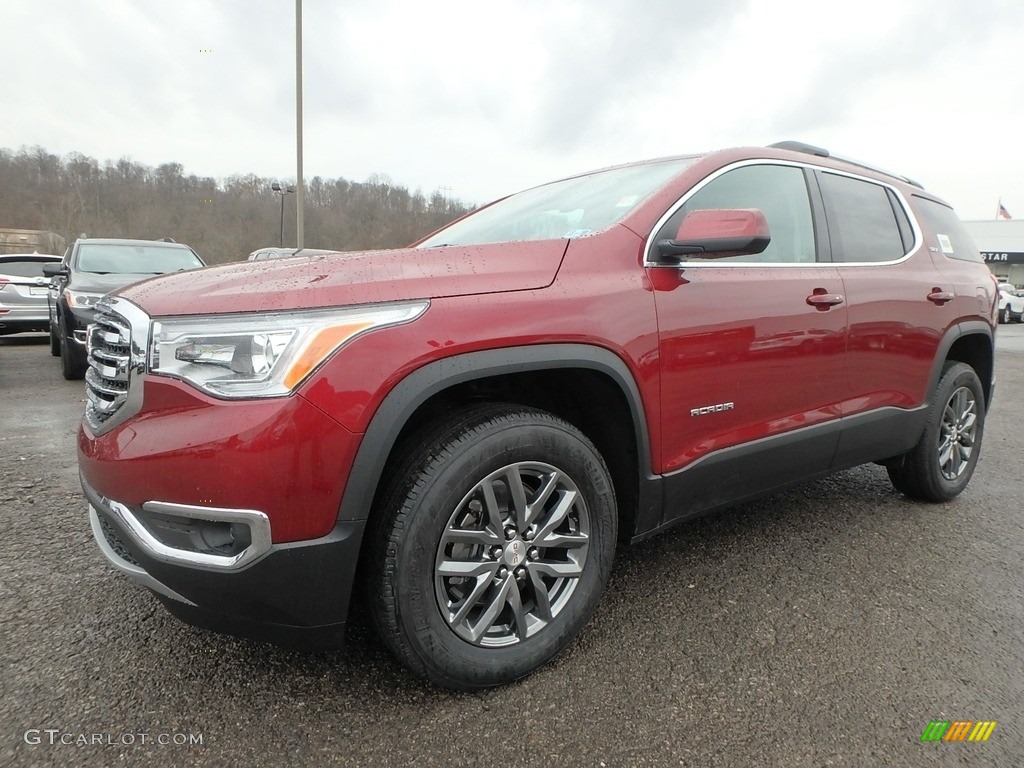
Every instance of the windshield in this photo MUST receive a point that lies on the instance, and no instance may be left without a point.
(125, 258)
(569, 208)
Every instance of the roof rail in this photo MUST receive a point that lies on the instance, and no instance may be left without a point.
(810, 149)
(876, 169)
(799, 146)
(167, 239)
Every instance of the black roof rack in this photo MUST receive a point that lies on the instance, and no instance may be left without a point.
(799, 146)
(810, 149)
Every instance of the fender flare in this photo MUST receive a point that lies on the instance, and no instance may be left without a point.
(954, 334)
(416, 388)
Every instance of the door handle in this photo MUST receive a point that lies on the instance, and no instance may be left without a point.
(822, 301)
(940, 296)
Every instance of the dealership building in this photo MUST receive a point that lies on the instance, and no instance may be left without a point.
(1002, 244)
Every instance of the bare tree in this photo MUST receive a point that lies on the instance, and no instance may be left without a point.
(223, 221)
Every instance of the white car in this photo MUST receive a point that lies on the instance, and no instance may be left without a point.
(1011, 304)
(280, 253)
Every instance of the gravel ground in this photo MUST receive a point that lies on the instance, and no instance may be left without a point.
(824, 626)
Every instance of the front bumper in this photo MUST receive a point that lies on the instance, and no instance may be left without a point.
(294, 594)
(77, 321)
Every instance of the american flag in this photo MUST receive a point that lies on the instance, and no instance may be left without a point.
(1002, 213)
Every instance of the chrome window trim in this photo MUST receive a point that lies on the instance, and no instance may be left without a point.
(914, 226)
(649, 242)
(258, 523)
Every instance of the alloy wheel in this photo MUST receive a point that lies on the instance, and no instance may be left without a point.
(511, 555)
(957, 433)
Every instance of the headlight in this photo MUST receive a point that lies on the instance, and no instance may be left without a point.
(265, 355)
(81, 300)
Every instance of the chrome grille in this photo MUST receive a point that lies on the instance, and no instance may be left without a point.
(109, 373)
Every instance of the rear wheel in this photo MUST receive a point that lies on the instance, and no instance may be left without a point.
(1005, 316)
(492, 546)
(939, 467)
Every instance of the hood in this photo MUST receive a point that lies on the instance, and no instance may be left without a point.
(339, 279)
(94, 282)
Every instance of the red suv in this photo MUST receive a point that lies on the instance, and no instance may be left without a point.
(477, 421)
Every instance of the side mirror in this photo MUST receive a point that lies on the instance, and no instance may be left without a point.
(54, 270)
(717, 233)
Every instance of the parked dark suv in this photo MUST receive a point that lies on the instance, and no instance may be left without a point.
(92, 267)
(478, 421)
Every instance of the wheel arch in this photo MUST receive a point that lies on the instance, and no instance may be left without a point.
(973, 343)
(536, 376)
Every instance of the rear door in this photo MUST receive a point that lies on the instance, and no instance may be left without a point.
(897, 314)
(750, 363)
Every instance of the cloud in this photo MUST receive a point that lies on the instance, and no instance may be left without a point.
(487, 99)
(615, 49)
(907, 50)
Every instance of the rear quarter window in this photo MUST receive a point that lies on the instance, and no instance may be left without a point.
(950, 235)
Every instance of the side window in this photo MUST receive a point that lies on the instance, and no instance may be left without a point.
(861, 222)
(778, 191)
(953, 238)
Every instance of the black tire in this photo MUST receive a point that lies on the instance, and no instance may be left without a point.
(1005, 316)
(54, 342)
(72, 362)
(940, 466)
(436, 518)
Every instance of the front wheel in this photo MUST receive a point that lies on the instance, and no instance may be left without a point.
(1005, 317)
(939, 467)
(72, 362)
(492, 545)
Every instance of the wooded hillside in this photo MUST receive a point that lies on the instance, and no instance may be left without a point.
(223, 220)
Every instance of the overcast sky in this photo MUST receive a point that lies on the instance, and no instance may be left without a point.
(487, 98)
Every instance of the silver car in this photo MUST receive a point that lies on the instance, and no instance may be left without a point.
(23, 291)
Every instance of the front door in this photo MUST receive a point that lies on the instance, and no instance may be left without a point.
(752, 349)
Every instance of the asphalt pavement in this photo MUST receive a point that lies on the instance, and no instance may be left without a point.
(824, 626)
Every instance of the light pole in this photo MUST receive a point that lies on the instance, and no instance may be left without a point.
(281, 192)
(300, 198)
